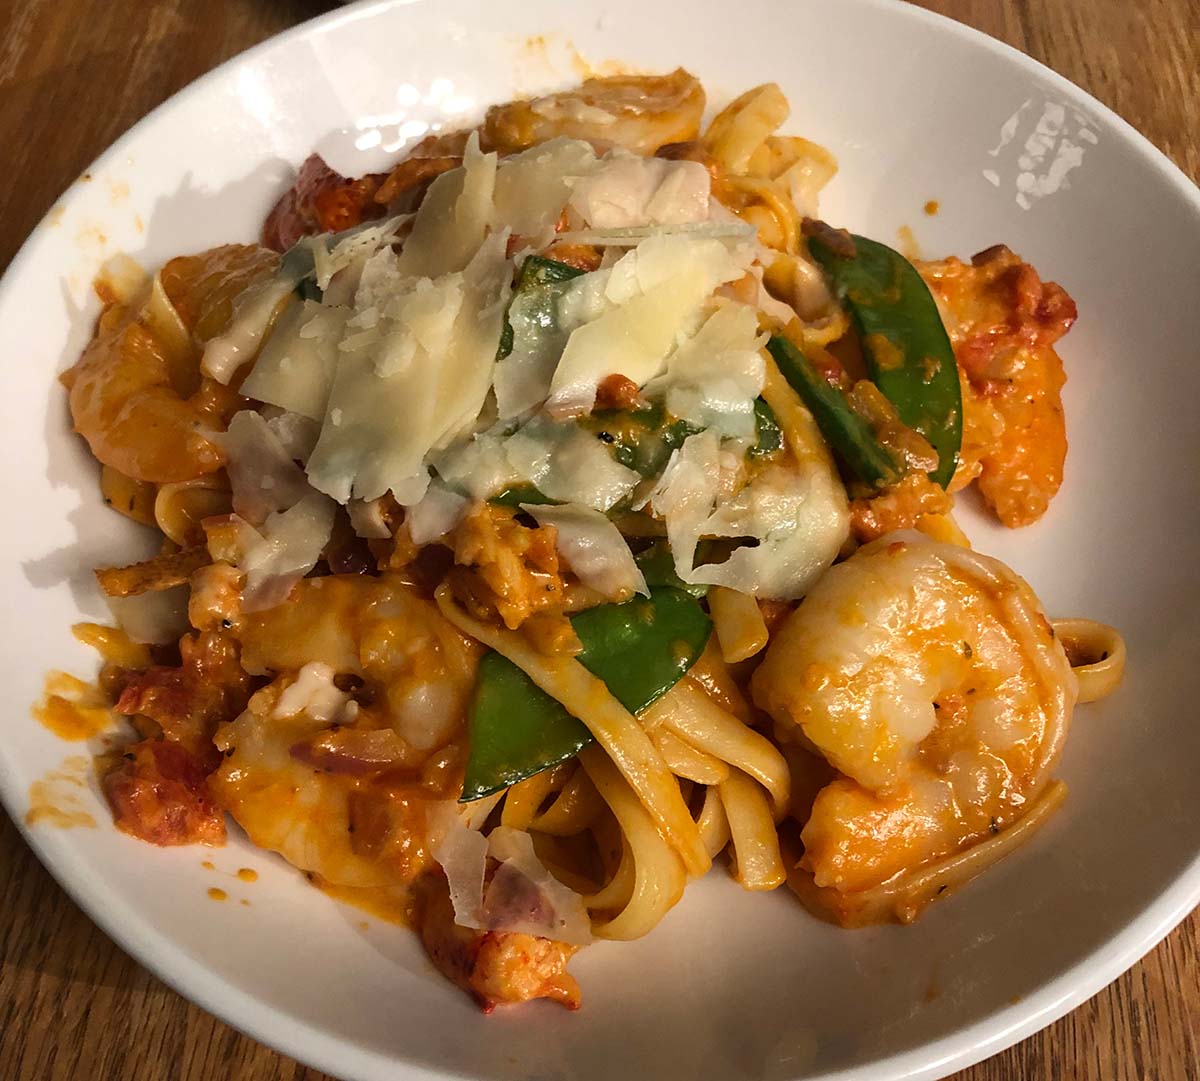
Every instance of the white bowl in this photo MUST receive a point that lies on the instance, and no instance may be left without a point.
(730, 985)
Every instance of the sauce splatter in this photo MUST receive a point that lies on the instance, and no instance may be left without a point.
(908, 243)
(72, 709)
(247, 874)
(216, 894)
(55, 799)
(244, 902)
(208, 865)
(932, 207)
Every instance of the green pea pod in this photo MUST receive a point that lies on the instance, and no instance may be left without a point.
(640, 439)
(537, 272)
(517, 730)
(516, 494)
(770, 435)
(904, 341)
(848, 433)
(658, 568)
(641, 649)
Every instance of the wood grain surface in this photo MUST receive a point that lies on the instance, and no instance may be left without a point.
(74, 76)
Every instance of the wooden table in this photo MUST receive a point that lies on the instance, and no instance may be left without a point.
(74, 76)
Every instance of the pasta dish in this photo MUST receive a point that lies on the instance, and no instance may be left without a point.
(568, 510)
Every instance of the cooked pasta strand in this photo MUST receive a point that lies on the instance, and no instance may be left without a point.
(904, 898)
(757, 863)
(712, 674)
(738, 622)
(713, 822)
(685, 760)
(523, 800)
(739, 129)
(1097, 655)
(690, 713)
(615, 728)
(573, 811)
(179, 508)
(659, 875)
(617, 891)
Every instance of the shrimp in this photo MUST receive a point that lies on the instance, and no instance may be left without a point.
(136, 393)
(1003, 321)
(339, 784)
(419, 667)
(494, 967)
(639, 112)
(929, 677)
(305, 775)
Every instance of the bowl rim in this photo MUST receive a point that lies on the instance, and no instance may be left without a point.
(332, 1053)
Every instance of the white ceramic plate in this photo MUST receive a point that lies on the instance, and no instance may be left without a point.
(730, 985)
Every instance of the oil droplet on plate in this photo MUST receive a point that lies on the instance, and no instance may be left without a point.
(247, 874)
(208, 865)
(932, 207)
(216, 894)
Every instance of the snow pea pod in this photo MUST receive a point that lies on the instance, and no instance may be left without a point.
(640, 649)
(546, 275)
(904, 341)
(848, 433)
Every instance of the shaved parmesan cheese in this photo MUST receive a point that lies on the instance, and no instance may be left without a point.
(524, 898)
(797, 513)
(262, 474)
(367, 520)
(813, 169)
(438, 512)
(542, 319)
(284, 551)
(656, 292)
(593, 548)
(379, 419)
(351, 247)
(314, 694)
(254, 314)
(462, 852)
(533, 187)
(296, 434)
(631, 236)
(713, 378)
(630, 190)
(415, 379)
(520, 897)
(155, 618)
(568, 464)
(296, 366)
(453, 217)
(465, 371)
(478, 466)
